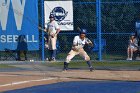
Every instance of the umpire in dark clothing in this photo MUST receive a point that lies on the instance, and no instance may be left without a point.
(21, 47)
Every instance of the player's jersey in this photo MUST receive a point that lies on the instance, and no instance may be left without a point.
(52, 27)
(79, 42)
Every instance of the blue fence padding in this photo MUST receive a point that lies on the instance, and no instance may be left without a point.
(20, 26)
(96, 44)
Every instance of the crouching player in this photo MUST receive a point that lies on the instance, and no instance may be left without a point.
(77, 49)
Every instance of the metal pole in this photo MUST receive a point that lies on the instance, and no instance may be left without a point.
(42, 24)
(99, 37)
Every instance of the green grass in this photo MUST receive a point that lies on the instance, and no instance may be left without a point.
(109, 64)
(94, 56)
(5, 66)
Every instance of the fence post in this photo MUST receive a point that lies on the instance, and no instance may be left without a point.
(99, 37)
(42, 24)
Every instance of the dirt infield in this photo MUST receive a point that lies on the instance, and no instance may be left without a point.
(22, 79)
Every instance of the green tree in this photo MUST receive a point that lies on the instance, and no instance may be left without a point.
(118, 17)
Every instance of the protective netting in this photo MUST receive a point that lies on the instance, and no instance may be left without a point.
(118, 22)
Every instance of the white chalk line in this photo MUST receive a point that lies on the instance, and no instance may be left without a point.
(7, 75)
(28, 81)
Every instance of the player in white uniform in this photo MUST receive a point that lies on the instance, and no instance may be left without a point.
(77, 49)
(53, 29)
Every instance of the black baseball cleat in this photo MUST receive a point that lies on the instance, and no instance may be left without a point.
(53, 59)
(49, 59)
(64, 70)
(91, 69)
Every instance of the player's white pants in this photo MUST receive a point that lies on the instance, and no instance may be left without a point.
(81, 52)
(52, 42)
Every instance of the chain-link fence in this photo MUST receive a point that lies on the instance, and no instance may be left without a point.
(117, 20)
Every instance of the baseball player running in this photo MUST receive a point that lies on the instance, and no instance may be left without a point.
(53, 29)
(77, 49)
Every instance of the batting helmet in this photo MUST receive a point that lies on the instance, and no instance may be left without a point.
(51, 16)
(83, 31)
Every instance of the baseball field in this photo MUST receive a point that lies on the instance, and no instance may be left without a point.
(42, 77)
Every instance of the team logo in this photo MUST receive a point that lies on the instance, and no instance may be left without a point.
(59, 13)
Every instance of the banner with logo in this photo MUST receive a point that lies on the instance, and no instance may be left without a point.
(63, 12)
(19, 25)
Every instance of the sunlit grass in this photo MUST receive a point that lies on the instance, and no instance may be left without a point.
(97, 63)
(6, 66)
